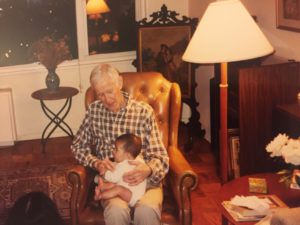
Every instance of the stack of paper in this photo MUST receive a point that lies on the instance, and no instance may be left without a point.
(252, 208)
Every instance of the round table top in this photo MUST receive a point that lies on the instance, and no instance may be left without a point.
(240, 186)
(61, 93)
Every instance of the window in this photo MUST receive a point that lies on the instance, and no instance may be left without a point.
(24, 21)
(113, 31)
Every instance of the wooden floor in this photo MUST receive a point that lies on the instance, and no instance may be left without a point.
(205, 208)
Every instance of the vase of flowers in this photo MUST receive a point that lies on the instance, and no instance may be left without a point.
(50, 53)
(289, 150)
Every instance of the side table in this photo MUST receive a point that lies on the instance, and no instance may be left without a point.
(57, 119)
(239, 186)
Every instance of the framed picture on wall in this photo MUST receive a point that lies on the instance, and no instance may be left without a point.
(161, 42)
(160, 48)
(288, 14)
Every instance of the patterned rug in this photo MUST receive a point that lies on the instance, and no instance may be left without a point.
(48, 179)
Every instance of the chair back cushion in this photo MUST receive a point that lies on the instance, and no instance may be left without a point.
(163, 96)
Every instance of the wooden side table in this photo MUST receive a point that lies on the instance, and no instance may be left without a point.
(240, 186)
(57, 119)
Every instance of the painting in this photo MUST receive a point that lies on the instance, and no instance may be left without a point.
(288, 15)
(161, 42)
(161, 48)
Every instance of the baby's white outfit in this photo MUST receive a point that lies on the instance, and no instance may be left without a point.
(116, 176)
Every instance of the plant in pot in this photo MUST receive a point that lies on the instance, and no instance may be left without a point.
(50, 53)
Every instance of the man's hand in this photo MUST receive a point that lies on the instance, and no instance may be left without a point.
(103, 165)
(139, 174)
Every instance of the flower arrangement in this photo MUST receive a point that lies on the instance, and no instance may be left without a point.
(289, 150)
(50, 52)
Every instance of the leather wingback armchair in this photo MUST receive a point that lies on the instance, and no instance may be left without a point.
(165, 98)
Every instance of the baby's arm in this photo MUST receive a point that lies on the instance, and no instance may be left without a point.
(115, 175)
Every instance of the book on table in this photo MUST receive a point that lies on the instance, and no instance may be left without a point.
(240, 213)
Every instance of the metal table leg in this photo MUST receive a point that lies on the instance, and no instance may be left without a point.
(57, 119)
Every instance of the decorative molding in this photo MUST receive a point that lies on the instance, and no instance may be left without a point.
(167, 17)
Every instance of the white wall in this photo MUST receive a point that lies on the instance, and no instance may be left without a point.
(203, 73)
(286, 44)
(155, 5)
(25, 79)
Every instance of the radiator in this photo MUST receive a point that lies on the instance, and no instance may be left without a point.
(7, 118)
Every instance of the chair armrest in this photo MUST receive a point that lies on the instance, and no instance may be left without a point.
(183, 180)
(80, 178)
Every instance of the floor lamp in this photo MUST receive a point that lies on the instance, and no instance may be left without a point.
(226, 33)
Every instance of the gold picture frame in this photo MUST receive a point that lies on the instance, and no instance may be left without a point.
(288, 15)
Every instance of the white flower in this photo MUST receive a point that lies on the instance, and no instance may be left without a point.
(291, 152)
(274, 147)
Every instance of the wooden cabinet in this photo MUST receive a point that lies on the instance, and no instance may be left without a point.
(286, 120)
(233, 98)
(259, 90)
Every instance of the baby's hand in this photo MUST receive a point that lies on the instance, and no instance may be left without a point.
(103, 165)
(97, 195)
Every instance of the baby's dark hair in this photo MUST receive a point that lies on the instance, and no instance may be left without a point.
(34, 208)
(132, 143)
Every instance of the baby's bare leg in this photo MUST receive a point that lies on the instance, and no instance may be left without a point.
(107, 185)
(116, 191)
(102, 186)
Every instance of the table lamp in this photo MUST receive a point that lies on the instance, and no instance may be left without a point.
(226, 33)
(96, 7)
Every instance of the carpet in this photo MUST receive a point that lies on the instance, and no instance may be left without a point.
(48, 179)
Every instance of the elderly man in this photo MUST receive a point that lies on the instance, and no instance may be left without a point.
(113, 114)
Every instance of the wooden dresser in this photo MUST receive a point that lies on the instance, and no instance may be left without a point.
(259, 90)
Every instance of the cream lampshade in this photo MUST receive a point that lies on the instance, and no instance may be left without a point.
(226, 33)
(96, 7)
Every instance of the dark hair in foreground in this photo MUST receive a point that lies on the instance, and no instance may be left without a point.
(132, 143)
(34, 208)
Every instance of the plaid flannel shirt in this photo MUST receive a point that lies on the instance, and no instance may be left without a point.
(96, 136)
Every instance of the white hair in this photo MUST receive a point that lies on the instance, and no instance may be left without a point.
(103, 71)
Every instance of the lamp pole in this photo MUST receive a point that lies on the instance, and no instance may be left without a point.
(223, 133)
(226, 33)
